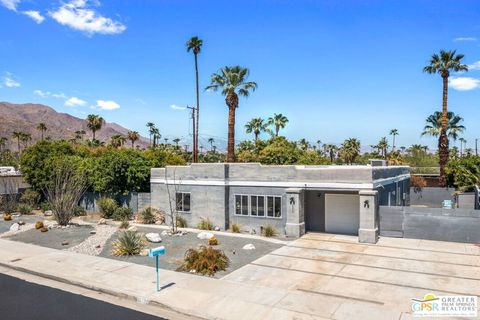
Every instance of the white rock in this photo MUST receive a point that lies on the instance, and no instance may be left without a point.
(153, 237)
(204, 235)
(15, 227)
(50, 224)
(217, 228)
(144, 252)
(248, 247)
(165, 233)
(102, 221)
(93, 232)
(48, 213)
(132, 228)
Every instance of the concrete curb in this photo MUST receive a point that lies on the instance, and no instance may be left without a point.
(122, 295)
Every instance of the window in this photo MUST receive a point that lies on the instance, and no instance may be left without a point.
(183, 201)
(258, 206)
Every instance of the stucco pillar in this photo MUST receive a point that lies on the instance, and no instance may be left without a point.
(295, 226)
(368, 232)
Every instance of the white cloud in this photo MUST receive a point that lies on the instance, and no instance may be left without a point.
(474, 66)
(79, 15)
(141, 101)
(464, 83)
(59, 96)
(10, 4)
(175, 107)
(35, 15)
(10, 82)
(472, 39)
(107, 104)
(47, 94)
(75, 102)
(41, 93)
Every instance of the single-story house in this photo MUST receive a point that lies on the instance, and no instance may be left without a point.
(292, 198)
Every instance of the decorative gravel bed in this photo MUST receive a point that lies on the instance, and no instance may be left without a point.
(5, 225)
(176, 246)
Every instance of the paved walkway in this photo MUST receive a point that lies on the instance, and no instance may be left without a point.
(319, 276)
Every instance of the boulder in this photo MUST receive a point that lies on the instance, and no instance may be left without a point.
(93, 232)
(248, 246)
(102, 221)
(153, 237)
(15, 227)
(65, 243)
(204, 235)
(165, 233)
(48, 213)
(21, 223)
(144, 252)
(217, 228)
(50, 224)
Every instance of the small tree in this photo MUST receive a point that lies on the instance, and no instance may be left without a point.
(172, 202)
(67, 186)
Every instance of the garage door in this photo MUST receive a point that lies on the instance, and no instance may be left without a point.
(342, 213)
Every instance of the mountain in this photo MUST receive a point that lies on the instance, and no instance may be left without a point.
(26, 117)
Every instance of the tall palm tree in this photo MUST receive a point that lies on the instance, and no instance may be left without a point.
(117, 140)
(382, 146)
(232, 81)
(17, 135)
(319, 144)
(42, 127)
(156, 136)
(211, 141)
(462, 141)
(393, 133)
(3, 143)
(94, 123)
(79, 134)
(350, 150)
(331, 149)
(150, 126)
(176, 141)
(279, 121)
(256, 125)
(303, 144)
(434, 125)
(133, 136)
(194, 44)
(443, 64)
(25, 138)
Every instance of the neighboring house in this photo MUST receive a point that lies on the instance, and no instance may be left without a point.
(294, 198)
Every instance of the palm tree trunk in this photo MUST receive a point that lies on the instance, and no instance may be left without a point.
(393, 146)
(443, 139)
(93, 133)
(198, 110)
(42, 135)
(18, 144)
(231, 134)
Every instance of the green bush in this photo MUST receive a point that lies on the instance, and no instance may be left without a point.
(205, 224)
(148, 215)
(129, 243)
(45, 206)
(269, 231)
(205, 260)
(122, 213)
(181, 222)
(107, 207)
(24, 208)
(30, 197)
(79, 211)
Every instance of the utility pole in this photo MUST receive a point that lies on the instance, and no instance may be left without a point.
(194, 140)
(186, 148)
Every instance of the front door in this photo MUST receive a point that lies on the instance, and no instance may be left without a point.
(315, 211)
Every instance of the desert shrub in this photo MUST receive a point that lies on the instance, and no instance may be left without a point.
(122, 213)
(235, 228)
(181, 222)
(124, 224)
(149, 215)
(30, 197)
(213, 241)
(79, 211)
(107, 207)
(205, 224)
(45, 206)
(205, 260)
(24, 208)
(7, 217)
(39, 225)
(129, 243)
(269, 231)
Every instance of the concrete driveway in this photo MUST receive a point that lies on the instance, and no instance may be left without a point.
(335, 277)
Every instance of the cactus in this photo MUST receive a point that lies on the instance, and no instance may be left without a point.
(213, 241)
(39, 225)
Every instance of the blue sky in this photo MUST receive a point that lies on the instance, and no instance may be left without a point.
(337, 69)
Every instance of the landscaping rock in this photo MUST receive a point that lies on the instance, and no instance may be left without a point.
(204, 235)
(132, 228)
(217, 228)
(21, 223)
(48, 213)
(65, 243)
(50, 224)
(102, 221)
(93, 232)
(153, 237)
(165, 233)
(144, 252)
(248, 247)
(15, 227)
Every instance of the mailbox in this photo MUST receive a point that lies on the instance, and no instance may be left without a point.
(155, 252)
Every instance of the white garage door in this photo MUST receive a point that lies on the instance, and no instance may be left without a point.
(342, 213)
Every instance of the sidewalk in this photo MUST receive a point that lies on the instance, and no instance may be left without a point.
(193, 295)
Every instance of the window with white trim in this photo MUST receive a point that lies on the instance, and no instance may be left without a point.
(258, 206)
(183, 201)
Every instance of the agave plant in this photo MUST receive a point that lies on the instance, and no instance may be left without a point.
(129, 243)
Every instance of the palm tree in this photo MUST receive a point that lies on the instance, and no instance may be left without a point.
(3, 143)
(350, 150)
(394, 133)
(331, 149)
(279, 121)
(25, 138)
(211, 141)
(303, 144)
(444, 63)
(256, 125)
(17, 135)
(232, 81)
(133, 136)
(155, 133)
(462, 140)
(117, 140)
(194, 44)
(94, 123)
(383, 146)
(42, 128)
(79, 134)
(434, 125)
(319, 144)
(176, 141)
(150, 126)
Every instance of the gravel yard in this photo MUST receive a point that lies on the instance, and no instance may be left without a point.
(176, 246)
(5, 225)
